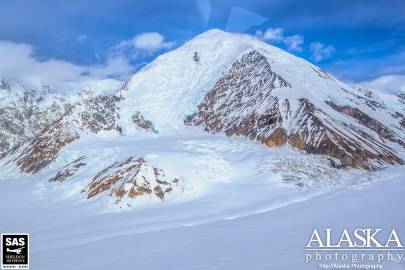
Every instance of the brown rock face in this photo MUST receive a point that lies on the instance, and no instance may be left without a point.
(313, 136)
(366, 120)
(232, 105)
(131, 178)
(25, 114)
(90, 115)
(69, 170)
(277, 138)
(99, 113)
(140, 122)
(38, 152)
(241, 103)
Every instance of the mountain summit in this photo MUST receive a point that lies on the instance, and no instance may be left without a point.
(242, 86)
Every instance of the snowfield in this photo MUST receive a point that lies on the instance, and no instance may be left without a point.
(243, 206)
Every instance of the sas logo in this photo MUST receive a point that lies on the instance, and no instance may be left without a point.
(14, 251)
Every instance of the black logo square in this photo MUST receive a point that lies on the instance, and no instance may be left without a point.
(15, 251)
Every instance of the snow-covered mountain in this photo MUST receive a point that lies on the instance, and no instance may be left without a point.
(242, 86)
(25, 112)
(105, 144)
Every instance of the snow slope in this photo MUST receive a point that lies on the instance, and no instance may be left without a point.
(205, 163)
(198, 234)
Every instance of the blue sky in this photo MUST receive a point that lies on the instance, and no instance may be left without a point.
(353, 39)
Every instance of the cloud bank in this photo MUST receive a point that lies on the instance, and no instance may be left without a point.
(387, 83)
(320, 51)
(142, 44)
(18, 61)
(276, 35)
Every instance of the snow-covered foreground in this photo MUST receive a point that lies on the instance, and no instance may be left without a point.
(243, 206)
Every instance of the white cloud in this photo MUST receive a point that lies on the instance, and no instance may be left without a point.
(276, 35)
(81, 38)
(271, 34)
(141, 44)
(18, 61)
(321, 51)
(387, 83)
(151, 41)
(294, 42)
(116, 67)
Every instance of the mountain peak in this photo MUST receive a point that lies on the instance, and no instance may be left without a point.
(167, 99)
(240, 86)
(218, 34)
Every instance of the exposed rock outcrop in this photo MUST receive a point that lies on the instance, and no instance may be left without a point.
(27, 112)
(90, 115)
(242, 103)
(141, 123)
(130, 179)
(38, 152)
(98, 113)
(69, 170)
(369, 122)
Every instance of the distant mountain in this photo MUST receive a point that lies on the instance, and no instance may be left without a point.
(24, 113)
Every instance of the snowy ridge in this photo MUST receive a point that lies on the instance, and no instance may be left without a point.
(173, 85)
(25, 112)
(91, 115)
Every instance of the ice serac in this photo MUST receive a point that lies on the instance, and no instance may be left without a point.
(244, 87)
